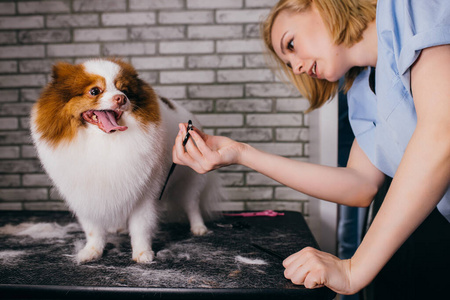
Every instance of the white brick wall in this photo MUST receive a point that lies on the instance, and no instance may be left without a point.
(207, 55)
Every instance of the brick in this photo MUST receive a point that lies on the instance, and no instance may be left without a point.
(22, 51)
(155, 4)
(232, 179)
(22, 80)
(29, 152)
(155, 63)
(197, 105)
(10, 206)
(254, 178)
(285, 149)
(215, 61)
(9, 95)
(23, 194)
(24, 122)
(186, 47)
(8, 66)
(270, 90)
(252, 31)
(239, 46)
(290, 105)
(255, 61)
(157, 33)
(19, 166)
(14, 138)
(31, 94)
(72, 20)
(244, 105)
(248, 193)
(127, 48)
(149, 77)
(215, 32)
(9, 180)
(8, 123)
(124, 18)
(247, 134)
(241, 15)
(21, 22)
(231, 206)
(171, 92)
(9, 152)
(260, 3)
(217, 120)
(46, 206)
(7, 8)
(292, 134)
(244, 75)
(44, 36)
(213, 4)
(95, 35)
(187, 77)
(274, 120)
(186, 17)
(216, 91)
(39, 7)
(36, 66)
(69, 50)
(36, 180)
(286, 193)
(8, 37)
(99, 5)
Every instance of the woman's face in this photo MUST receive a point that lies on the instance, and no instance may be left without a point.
(302, 41)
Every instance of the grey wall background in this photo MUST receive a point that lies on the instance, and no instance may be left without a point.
(205, 54)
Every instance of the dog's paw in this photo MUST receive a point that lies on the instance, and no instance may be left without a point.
(88, 254)
(199, 230)
(143, 257)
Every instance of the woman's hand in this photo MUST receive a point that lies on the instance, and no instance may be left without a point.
(313, 269)
(204, 152)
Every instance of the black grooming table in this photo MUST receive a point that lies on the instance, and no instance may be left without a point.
(37, 260)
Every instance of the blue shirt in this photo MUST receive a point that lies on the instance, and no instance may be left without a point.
(383, 122)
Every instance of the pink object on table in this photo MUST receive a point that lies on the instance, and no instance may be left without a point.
(266, 213)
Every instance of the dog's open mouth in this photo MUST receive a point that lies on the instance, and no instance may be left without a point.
(106, 120)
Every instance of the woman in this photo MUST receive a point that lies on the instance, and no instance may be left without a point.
(402, 128)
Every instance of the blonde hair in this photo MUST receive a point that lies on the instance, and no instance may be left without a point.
(346, 21)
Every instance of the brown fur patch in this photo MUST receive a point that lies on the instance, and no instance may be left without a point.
(141, 94)
(167, 102)
(58, 110)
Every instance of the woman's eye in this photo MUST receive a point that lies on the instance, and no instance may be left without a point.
(95, 91)
(290, 45)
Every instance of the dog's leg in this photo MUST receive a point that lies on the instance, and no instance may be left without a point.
(190, 200)
(95, 242)
(195, 217)
(142, 225)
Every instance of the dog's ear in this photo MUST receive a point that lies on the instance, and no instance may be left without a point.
(62, 70)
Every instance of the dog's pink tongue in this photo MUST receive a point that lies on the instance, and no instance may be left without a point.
(107, 121)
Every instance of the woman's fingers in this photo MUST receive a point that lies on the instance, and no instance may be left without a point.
(306, 268)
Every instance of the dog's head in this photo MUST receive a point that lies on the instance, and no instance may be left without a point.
(96, 93)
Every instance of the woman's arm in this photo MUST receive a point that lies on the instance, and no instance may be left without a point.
(419, 183)
(355, 185)
(424, 172)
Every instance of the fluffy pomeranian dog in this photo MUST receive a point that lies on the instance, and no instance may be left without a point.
(105, 139)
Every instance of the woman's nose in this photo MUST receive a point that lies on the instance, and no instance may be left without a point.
(297, 66)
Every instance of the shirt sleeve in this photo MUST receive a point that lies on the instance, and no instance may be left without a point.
(418, 25)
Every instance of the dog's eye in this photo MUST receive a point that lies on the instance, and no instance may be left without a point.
(94, 91)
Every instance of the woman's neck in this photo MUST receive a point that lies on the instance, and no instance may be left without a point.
(365, 52)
